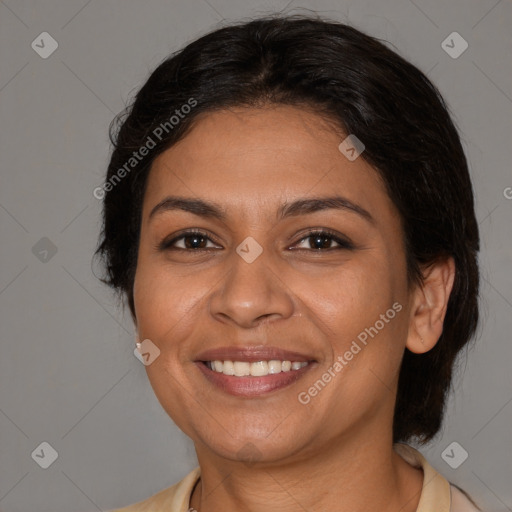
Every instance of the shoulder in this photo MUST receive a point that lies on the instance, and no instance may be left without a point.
(438, 494)
(460, 501)
(174, 499)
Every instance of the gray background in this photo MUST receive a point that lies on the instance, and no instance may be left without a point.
(68, 375)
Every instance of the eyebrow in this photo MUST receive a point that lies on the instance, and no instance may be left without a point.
(304, 206)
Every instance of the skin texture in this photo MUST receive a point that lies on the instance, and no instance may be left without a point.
(335, 453)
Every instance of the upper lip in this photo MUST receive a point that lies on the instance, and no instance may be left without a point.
(252, 354)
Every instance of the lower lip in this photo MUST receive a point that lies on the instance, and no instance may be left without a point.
(252, 386)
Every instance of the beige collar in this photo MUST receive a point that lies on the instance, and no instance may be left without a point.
(435, 494)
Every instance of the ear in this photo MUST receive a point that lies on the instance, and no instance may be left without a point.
(430, 301)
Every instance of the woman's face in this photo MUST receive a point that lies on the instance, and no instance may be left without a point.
(255, 279)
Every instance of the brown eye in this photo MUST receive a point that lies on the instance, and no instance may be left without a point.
(323, 240)
(190, 240)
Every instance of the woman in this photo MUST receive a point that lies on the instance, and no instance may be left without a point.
(289, 214)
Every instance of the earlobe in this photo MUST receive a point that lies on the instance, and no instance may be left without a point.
(429, 306)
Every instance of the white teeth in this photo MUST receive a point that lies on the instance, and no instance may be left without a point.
(274, 366)
(228, 368)
(259, 368)
(286, 366)
(242, 368)
(256, 369)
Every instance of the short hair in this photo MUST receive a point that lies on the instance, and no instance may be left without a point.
(366, 89)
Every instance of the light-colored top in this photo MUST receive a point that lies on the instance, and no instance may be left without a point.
(437, 494)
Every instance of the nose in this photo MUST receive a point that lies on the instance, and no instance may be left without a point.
(251, 293)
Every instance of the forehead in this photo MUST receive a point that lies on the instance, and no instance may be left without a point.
(249, 156)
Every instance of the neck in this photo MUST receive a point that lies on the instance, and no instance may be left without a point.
(346, 475)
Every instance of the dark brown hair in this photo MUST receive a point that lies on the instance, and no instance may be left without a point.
(368, 90)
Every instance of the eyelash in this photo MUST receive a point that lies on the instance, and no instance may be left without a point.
(167, 245)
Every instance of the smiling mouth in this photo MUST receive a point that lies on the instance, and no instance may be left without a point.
(255, 369)
(252, 370)
(253, 379)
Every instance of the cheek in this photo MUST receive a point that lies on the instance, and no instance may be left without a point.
(168, 302)
(155, 298)
(158, 304)
(161, 305)
(362, 313)
(348, 300)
